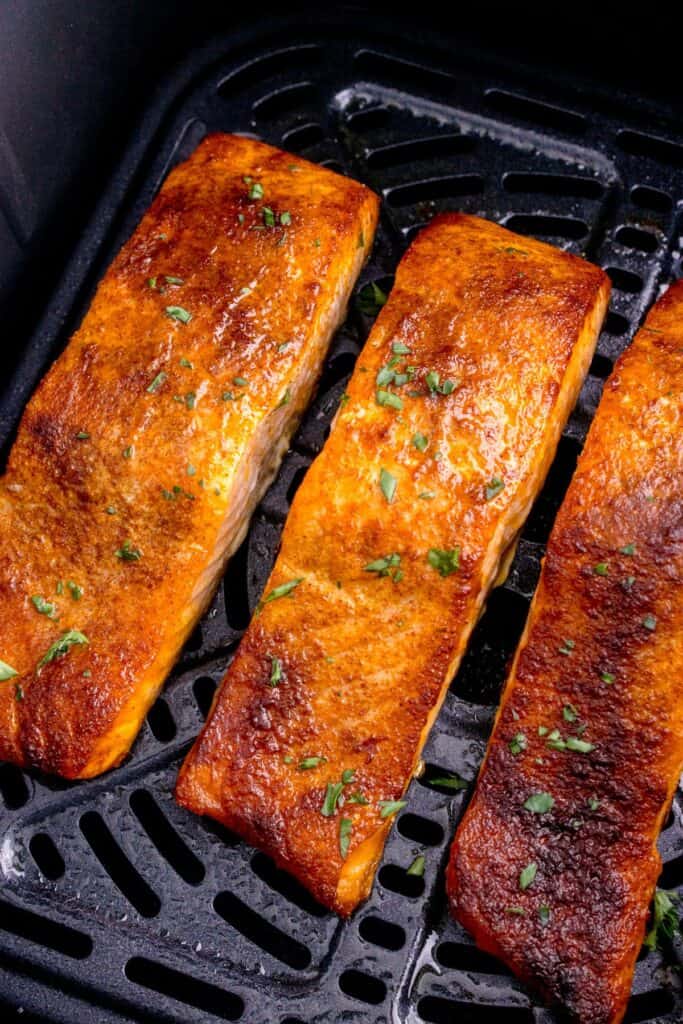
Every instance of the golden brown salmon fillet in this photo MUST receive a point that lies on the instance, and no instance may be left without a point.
(554, 864)
(393, 541)
(142, 454)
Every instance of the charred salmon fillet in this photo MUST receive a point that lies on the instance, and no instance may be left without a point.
(555, 862)
(396, 535)
(144, 450)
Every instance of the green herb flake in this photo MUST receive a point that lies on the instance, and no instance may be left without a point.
(628, 582)
(268, 217)
(275, 671)
(358, 798)
(59, 589)
(75, 591)
(386, 566)
(128, 452)
(18, 692)
(417, 868)
(579, 746)
(44, 607)
(516, 911)
(569, 713)
(178, 313)
(607, 677)
(285, 218)
(388, 484)
(420, 441)
(240, 218)
(527, 875)
(370, 299)
(345, 827)
(567, 647)
(151, 282)
(601, 569)
(544, 913)
(62, 646)
(593, 802)
(82, 435)
(361, 240)
(628, 549)
(286, 399)
(282, 590)
(387, 808)
(307, 763)
(433, 382)
(664, 922)
(185, 363)
(539, 803)
(543, 730)
(7, 672)
(127, 553)
(332, 795)
(157, 382)
(255, 190)
(517, 744)
(389, 399)
(494, 487)
(240, 382)
(451, 780)
(170, 279)
(650, 623)
(191, 399)
(446, 562)
(427, 495)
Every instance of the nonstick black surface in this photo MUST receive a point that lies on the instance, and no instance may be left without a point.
(119, 906)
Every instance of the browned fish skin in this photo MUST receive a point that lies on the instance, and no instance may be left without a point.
(611, 586)
(364, 658)
(155, 434)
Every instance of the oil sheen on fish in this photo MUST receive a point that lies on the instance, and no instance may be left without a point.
(555, 862)
(394, 538)
(145, 448)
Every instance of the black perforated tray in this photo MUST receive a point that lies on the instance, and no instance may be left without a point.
(116, 904)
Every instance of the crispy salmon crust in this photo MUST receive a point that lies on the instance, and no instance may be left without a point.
(601, 661)
(482, 347)
(146, 447)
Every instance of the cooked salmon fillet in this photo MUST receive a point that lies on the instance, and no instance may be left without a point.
(555, 862)
(393, 541)
(143, 452)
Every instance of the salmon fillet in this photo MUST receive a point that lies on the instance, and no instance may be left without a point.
(145, 449)
(555, 862)
(393, 540)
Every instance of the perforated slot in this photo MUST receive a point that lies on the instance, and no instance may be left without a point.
(625, 280)
(420, 829)
(651, 198)
(261, 932)
(302, 136)
(15, 792)
(601, 366)
(541, 225)
(636, 238)
(204, 689)
(46, 855)
(397, 879)
(616, 324)
(571, 185)
(161, 721)
(653, 146)
(50, 934)
(382, 933)
(259, 70)
(290, 97)
(169, 844)
(184, 988)
(462, 957)
(382, 65)
(545, 114)
(286, 885)
(429, 148)
(649, 1005)
(363, 986)
(437, 1010)
(436, 188)
(121, 871)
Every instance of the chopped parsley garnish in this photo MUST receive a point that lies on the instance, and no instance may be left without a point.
(544, 913)
(311, 762)
(128, 452)
(82, 435)
(6, 671)
(417, 868)
(370, 299)
(75, 591)
(451, 780)
(569, 713)
(127, 553)
(44, 607)
(433, 381)
(601, 569)
(286, 398)
(399, 349)
(427, 495)
(445, 562)
(345, 826)
(228, 396)
(650, 622)
(607, 677)
(568, 646)
(539, 803)
(185, 363)
(664, 919)
(169, 279)
(527, 875)
(268, 217)
(361, 240)
(628, 582)
(388, 484)
(275, 671)
(420, 441)
(282, 590)
(516, 911)
(386, 566)
(348, 776)
(18, 691)
(256, 190)
(157, 382)
(191, 470)
(285, 218)
(593, 802)
(628, 549)
(513, 250)
(332, 794)
(59, 589)
(240, 382)
(191, 399)
(389, 399)
(151, 282)
(178, 313)
(518, 743)
(579, 746)
(62, 646)
(494, 487)
(358, 798)
(389, 807)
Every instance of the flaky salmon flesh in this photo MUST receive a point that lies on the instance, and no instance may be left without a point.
(555, 862)
(145, 449)
(399, 530)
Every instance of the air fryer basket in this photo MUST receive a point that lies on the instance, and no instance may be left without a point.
(119, 906)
